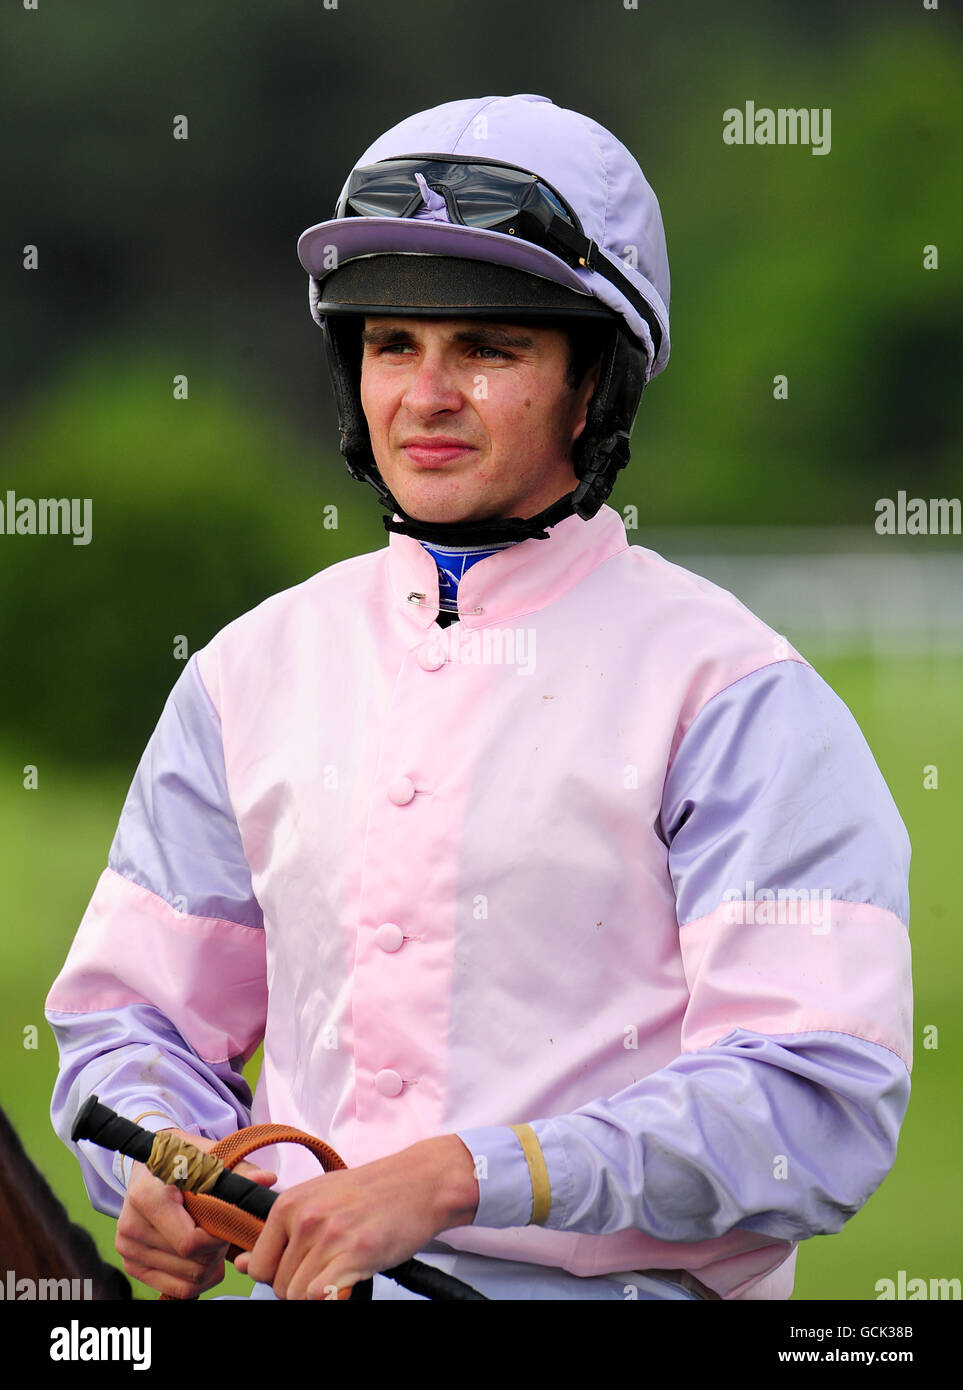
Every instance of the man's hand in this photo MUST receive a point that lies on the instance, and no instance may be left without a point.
(330, 1233)
(161, 1245)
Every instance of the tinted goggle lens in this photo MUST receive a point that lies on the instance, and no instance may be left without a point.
(476, 195)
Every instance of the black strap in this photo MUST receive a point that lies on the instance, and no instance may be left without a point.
(582, 250)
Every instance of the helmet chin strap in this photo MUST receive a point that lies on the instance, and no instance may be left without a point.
(494, 530)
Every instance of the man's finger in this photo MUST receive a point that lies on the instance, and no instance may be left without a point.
(263, 1176)
(165, 1282)
(194, 1272)
(162, 1207)
(190, 1253)
(263, 1261)
(134, 1230)
(331, 1284)
(332, 1290)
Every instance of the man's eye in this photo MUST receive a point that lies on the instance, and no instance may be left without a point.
(395, 349)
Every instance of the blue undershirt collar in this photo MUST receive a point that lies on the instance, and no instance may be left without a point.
(452, 562)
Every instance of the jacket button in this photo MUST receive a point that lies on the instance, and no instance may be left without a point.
(401, 790)
(430, 658)
(389, 936)
(388, 1083)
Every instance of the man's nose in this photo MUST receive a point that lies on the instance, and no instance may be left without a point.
(432, 386)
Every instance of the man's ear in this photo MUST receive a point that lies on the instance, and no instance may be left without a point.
(584, 394)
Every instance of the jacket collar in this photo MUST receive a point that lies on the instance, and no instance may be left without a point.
(518, 580)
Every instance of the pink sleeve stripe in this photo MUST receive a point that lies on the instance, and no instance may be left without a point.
(796, 967)
(206, 975)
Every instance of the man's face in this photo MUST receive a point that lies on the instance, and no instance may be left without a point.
(471, 420)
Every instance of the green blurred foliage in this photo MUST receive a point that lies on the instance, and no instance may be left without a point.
(782, 261)
(199, 512)
(811, 265)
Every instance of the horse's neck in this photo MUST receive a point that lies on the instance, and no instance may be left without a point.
(32, 1246)
(37, 1238)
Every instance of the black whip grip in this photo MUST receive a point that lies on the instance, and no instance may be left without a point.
(111, 1131)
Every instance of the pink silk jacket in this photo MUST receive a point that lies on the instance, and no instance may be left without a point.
(605, 860)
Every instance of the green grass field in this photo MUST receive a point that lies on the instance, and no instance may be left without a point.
(55, 841)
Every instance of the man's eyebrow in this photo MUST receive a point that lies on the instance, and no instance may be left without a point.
(375, 337)
(484, 335)
(494, 337)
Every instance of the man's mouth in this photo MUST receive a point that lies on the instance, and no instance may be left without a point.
(434, 453)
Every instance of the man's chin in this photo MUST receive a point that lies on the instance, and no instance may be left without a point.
(436, 512)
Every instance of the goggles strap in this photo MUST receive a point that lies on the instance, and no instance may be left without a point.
(582, 251)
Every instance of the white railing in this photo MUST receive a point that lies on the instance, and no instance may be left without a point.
(835, 589)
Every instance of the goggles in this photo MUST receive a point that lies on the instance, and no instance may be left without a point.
(493, 196)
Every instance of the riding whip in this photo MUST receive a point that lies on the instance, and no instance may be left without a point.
(231, 1206)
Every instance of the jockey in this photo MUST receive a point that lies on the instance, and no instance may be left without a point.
(567, 899)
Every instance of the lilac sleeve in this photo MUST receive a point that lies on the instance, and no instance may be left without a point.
(162, 997)
(787, 1136)
(135, 1061)
(783, 1131)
